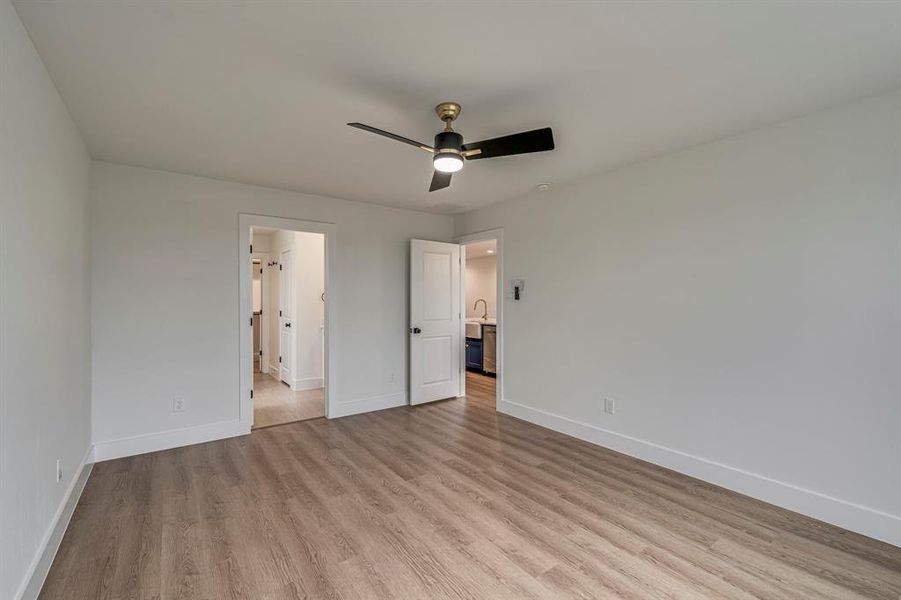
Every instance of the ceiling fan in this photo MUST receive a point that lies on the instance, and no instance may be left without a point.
(449, 149)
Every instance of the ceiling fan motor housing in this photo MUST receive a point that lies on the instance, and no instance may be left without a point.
(449, 141)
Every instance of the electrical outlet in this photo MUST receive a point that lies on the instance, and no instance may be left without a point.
(59, 471)
(178, 405)
(609, 406)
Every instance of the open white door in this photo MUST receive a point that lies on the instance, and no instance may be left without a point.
(435, 352)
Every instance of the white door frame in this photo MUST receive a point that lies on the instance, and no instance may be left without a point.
(481, 236)
(245, 303)
(264, 325)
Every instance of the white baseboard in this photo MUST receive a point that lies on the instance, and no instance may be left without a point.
(363, 405)
(164, 440)
(273, 370)
(312, 383)
(31, 585)
(848, 515)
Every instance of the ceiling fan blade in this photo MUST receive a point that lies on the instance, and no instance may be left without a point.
(440, 181)
(537, 140)
(393, 136)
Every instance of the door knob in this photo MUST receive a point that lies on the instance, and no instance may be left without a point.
(415, 330)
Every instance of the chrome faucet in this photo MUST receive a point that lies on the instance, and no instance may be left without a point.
(482, 300)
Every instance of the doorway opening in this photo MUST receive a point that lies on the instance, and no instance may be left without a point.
(456, 319)
(480, 293)
(287, 348)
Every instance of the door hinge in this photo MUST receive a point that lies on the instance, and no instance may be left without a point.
(251, 394)
(279, 267)
(251, 248)
(251, 321)
(279, 359)
(279, 313)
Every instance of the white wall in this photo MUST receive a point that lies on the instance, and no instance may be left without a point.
(44, 307)
(262, 242)
(738, 300)
(481, 282)
(161, 332)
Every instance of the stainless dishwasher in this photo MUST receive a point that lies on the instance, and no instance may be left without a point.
(489, 348)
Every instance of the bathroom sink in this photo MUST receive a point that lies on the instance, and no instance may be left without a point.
(474, 329)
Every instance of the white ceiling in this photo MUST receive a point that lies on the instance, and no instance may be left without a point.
(260, 92)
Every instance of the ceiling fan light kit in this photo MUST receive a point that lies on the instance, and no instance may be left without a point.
(448, 143)
(447, 162)
(449, 149)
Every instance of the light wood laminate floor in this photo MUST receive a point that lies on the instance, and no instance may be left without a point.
(274, 403)
(445, 500)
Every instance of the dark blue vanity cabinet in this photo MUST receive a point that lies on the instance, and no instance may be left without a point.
(474, 354)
